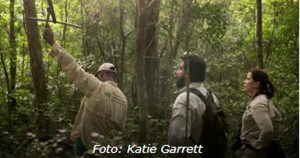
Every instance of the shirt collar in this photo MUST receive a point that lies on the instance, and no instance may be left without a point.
(192, 85)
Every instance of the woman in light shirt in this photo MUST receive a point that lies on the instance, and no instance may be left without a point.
(260, 117)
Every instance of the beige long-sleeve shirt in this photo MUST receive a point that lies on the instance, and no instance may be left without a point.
(104, 106)
(259, 121)
(176, 134)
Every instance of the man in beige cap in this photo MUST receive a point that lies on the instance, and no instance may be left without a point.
(103, 108)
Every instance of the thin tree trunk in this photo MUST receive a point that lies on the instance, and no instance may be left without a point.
(186, 14)
(87, 30)
(65, 26)
(5, 70)
(36, 63)
(142, 101)
(7, 87)
(268, 48)
(63, 40)
(13, 57)
(152, 58)
(101, 49)
(82, 30)
(23, 45)
(122, 43)
(259, 33)
(178, 39)
(179, 33)
(177, 28)
(187, 4)
(23, 59)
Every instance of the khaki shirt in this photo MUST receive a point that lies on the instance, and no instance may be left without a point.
(104, 106)
(259, 121)
(196, 110)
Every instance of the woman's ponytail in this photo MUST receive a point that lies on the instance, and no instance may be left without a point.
(270, 90)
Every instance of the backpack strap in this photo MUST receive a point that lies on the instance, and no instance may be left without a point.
(205, 115)
(209, 108)
(199, 94)
(206, 99)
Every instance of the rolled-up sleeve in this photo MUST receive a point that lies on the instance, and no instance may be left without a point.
(84, 81)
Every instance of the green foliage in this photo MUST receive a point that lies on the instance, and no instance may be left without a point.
(212, 18)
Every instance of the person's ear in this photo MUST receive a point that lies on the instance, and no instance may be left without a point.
(101, 74)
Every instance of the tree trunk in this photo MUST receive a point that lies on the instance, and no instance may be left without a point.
(179, 34)
(152, 58)
(82, 30)
(7, 86)
(175, 36)
(187, 32)
(187, 5)
(13, 58)
(122, 43)
(63, 38)
(36, 63)
(139, 75)
(87, 30)
(259, 33)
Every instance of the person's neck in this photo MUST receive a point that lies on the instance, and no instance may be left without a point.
(253, 93)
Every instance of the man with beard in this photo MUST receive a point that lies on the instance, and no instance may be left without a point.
(177, 129)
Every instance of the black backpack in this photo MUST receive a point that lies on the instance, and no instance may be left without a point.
(275, 150)
(214, 130)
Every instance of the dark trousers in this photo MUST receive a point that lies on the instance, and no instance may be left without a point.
(248, 152)
(79, 148)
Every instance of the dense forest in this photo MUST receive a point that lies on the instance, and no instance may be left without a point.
(144, 39)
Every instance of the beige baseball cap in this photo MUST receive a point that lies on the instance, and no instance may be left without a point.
(107, 67)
